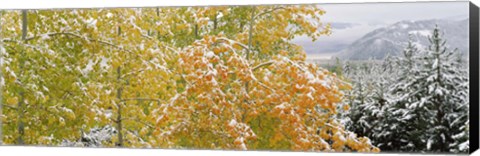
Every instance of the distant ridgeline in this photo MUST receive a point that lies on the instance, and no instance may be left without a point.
(392, 39)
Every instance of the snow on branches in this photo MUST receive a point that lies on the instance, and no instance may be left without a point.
(418, 104)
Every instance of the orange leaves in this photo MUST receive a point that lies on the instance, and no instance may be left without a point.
(160, 120)
(241, 132)
(324, 134)
(302, 142)
(352, 142)
(346, 107)
(277, 137)
(216, 110)
(339, 141)
(300, 87)
(238, 141)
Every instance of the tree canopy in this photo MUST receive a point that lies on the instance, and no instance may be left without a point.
(176, 77)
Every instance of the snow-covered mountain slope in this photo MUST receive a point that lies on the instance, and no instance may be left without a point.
(393, 38)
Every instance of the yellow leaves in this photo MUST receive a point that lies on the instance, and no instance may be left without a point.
(61, 121)
(12, 100)
(51, 120)
(116, 63)
(71, 115)
(45, 99)
(202, 21)
(89, 115)
(182, 26)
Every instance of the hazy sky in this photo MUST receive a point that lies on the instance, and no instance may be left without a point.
(352, 21)
(392, 12)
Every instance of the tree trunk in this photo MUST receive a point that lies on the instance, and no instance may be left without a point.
(250, 32)
(241, 27)
(250, 35)
(196, 31)
(157, 33)
(119, 110)
(20, 109)
(119, 104)
(215, 21)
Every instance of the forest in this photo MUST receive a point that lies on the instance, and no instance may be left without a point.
(417, 102)
(222, 77)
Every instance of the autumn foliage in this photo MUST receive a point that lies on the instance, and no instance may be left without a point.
(188, 77)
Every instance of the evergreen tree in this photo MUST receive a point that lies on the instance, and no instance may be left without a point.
(432, 98)
(369, 99)
(413, 103)
(398, 132)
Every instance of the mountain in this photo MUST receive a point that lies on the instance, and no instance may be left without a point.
(393, 38)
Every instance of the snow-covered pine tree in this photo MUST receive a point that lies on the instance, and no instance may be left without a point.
(398, 132)
(460, 119)
(416, 102)
(357, 97)
(433, 99)
(369, 98)
(371, 112)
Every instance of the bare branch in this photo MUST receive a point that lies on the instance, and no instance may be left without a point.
(234, 42)
(70, 34)
(265, 86)
(133, 133)
(164, 46)
(139, 121)
(270, 11)
(11, 107)
(250, 33)
(144, 99)
(23, 44)
(262, 65)
(131, 73)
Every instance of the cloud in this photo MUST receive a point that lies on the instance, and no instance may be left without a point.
(391, 12)
(342, 25)
(351, 21)
(339, 39)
